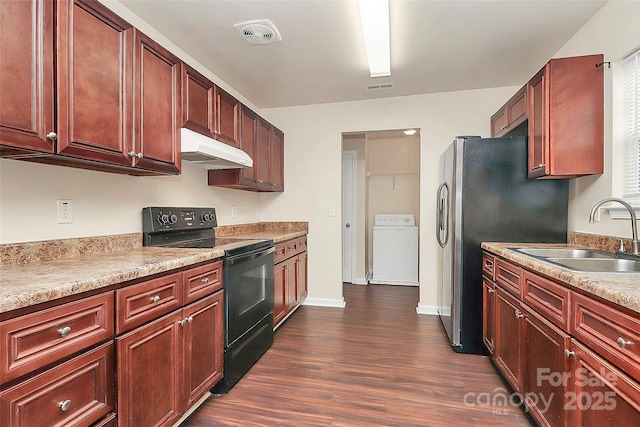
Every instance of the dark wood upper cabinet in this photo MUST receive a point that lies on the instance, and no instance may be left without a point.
(276, 160)
(27, 70)
(263, 143)
(510, 115)
(566, 118)
(248, 134)
(157, 107)
(226, 110)
(94, 83)
(197, 101)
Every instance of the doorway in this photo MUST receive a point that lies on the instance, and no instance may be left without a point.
(380, 175)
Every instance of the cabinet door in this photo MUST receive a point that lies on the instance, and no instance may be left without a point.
(149, 370)
(279, 292)
(508, 336)
(248, 135)
(203, 346)
(94, 83)
(26, 67)
(227, 117)
(293, 266)
(538, 99)
(197, 101)
(601, 394)
(488, 318)
(156, 107)
(276, 166)
(302, 276)
(262, 160)
(545, 369)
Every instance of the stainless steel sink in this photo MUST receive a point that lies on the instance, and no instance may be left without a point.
(603, 265)
(564, 253)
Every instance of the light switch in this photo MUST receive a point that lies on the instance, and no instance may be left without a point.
(332, 210)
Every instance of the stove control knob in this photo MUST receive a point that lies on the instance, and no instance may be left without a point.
(206, 217)
(173, 219)
(163, 219)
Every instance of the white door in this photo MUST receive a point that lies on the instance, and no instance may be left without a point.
(349, 165)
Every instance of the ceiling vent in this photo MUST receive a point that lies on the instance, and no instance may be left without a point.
(380, 86)
(260, 31)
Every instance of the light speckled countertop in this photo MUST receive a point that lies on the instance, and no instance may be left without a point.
(28, 284)
(620, 288)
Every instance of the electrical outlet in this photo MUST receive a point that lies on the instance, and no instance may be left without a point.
(65, 211)
(234, 212)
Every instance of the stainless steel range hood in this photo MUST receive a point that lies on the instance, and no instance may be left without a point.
(209, 153)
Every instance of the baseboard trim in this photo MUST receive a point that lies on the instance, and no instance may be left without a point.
(359, 281)
(427, 309)
(325, 302)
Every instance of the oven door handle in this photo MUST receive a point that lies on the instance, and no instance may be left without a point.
(247, 256)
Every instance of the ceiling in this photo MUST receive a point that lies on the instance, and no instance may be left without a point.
(436, 45)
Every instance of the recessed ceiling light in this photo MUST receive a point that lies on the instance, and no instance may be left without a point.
(375, 25)
(409, 132)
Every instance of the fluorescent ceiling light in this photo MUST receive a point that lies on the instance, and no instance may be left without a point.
(410, 132)
(375, 25)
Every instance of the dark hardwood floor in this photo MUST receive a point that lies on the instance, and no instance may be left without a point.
(374, 363)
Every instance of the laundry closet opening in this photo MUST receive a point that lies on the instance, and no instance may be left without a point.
(380, 176)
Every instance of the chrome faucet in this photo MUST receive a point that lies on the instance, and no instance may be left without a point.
(634, 224)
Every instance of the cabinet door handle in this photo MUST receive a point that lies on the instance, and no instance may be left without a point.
(519, 314)
(568, 353)
(182, 322)
(52, 136)
(134, 154)
(540, 166)
(491, 290)
(64, 405)
(190, 319)
(503, 127)
(622, 343)
(64, 332)
(155, 299)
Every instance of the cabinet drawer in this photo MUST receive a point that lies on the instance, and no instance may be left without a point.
(145, 301)
(202, 281)
(291, 248)
(302, 244)
(488, 265)
(77, 393)
(281, 252)
(548, 298)
(508, 275)
(40, 339)
(608, 331)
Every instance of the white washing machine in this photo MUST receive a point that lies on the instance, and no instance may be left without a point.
(395, 250)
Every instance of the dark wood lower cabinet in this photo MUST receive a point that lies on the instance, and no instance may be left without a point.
(578, 376)
(546, 369)
(78, 392)
(508, 335)
(290, 278)
(170, 363)
(149, 370)
(488, 320)
(601, 394)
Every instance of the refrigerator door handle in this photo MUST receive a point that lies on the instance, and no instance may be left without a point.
(443, 208)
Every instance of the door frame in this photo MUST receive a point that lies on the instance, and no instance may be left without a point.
(352, 157)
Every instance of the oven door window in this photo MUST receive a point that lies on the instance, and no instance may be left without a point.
(248, 293)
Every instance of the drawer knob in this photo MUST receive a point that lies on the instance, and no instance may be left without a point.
(205, 280)
(64, 405)
(64, 332)
(519, 314)
(155, 299)
(190, 319)
(568, 353)
(622, 343)
(491, 290)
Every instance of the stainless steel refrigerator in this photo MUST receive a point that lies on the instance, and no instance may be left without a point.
(484, 195)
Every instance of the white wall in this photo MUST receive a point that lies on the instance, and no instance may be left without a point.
(313, 146)
(103, 203)
(615, 32)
